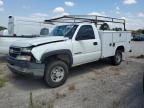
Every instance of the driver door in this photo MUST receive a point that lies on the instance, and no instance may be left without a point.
(86, 48)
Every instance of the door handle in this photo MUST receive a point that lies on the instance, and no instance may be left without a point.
(95, 43)
(113, 44)
(110, 44)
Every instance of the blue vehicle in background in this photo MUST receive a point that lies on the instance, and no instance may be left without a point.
(138, 38)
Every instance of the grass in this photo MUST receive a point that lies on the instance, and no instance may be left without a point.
(31, 105)
(72, 87)
(93, 79)
(50, 104)
(85, 99)
(3, 80)
(140, 56)
(60, 95)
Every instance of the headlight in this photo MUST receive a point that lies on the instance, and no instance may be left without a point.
(26, 50)
(11, 51)
(25, 58)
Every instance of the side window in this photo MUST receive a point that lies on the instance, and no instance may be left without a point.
(85, 33)
(71, 32)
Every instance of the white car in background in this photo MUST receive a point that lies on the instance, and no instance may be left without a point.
(19, 32)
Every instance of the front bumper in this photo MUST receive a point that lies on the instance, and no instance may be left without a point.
(25, 67)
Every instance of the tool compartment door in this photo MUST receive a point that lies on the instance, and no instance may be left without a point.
(106, 44)
(119, 37)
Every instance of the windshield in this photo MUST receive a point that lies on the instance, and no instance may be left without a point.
(64, 30)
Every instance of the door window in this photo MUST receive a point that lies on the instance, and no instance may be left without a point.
(85, 33)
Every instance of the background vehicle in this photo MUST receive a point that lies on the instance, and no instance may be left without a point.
(20, 30)
(77, 41)
(139, 38)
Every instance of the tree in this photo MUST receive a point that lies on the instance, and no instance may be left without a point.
(138, 32)
(2, 28)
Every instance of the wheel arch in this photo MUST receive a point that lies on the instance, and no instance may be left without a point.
(121, 48)
(64, 55)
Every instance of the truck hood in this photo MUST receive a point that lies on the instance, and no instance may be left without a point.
(38, 41)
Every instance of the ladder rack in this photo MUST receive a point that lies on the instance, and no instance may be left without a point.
(98, 20)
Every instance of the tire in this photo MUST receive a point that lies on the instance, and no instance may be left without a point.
(117, 59)
(56, 73)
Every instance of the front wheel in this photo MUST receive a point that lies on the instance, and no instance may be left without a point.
(117, 58)
(56, 73)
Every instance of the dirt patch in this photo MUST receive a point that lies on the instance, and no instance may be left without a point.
(114, 68)
(72, 87)
(140, 57)
(60, 95)
(40, 104)
(137, 57)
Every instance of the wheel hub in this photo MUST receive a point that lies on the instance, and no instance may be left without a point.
(57, 74)
(118, 58)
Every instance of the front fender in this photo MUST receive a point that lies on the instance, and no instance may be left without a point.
(56, 52)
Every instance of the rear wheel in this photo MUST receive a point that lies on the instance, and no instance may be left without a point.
(117, 58)
(56, 73)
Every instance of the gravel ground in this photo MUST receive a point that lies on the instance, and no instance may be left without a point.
(93, 85)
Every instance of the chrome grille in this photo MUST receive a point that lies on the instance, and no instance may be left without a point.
(14, 52)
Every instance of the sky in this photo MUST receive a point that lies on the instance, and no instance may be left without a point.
(131, 10)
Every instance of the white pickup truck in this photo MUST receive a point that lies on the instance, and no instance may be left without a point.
(67, 46)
